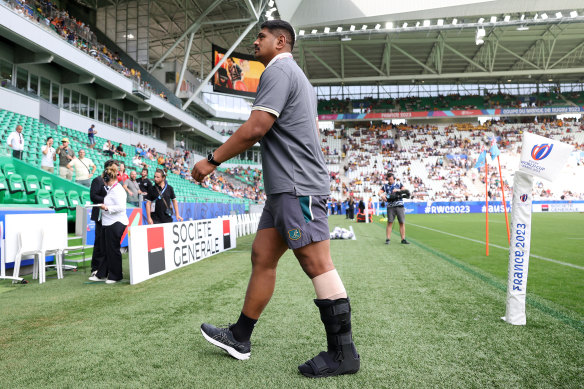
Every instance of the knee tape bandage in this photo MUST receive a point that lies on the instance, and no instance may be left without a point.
(329, 286)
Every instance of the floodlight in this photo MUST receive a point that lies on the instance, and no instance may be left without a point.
(352, 28)
(507, 18)
(426, 23)
(559, 15)
(271, 3)
(574, 14)
(522, 17)
(364, 27)
(481, 33)
(388, 25)
(314, 31)
(481, 20)
(544, 16)
(405, 25)
(417, 24)
(522, 28)
(440, 22)
(454, 21)
(327, 30)
(339, 29)
(377, 26)
(535, 17)
(493, 19)
(301, 32)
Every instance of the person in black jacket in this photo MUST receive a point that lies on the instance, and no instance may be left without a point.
(97, 193)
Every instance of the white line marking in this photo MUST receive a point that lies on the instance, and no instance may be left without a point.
(354, 236)
(499, 247)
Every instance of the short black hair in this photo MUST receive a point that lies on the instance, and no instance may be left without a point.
(284, 27)
(389, 175)
(110, 162)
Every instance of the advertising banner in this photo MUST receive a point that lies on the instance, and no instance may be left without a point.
(160, 248)
(519, 249)
(543, 157)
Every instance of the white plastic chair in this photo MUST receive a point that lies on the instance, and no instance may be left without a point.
(57, 252)
(30, 245)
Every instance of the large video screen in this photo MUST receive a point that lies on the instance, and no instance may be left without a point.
(239, 74)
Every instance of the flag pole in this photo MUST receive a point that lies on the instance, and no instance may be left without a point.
(487, 203)
(504, 202)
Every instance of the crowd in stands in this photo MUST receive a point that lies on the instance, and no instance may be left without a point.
(77, 34)
(218, 182)
(437, 163)
(447, 102)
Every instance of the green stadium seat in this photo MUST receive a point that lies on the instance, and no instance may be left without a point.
(43, 197)
(73, 199)
(8, 169)
(47, 184)
(31, 185)
(15, 184)
(85, 199)
(60, 200)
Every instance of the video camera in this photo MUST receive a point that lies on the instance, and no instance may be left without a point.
(399, 195)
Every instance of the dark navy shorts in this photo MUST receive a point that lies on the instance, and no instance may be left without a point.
(300, 220)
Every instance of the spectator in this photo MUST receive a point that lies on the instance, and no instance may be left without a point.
(84, 169)
(144, 182)
(91, 136)
(16, 142)
(137, 161)
(66, 155)
(158, 201)
(114, 221)
(108, 149)
(133, 188)
(120, 150)
(122, 176)
(49, 156)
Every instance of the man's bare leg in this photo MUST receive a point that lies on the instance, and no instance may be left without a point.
(268, 246)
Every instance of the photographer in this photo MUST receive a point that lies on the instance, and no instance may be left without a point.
(393, 192)
(158, 201)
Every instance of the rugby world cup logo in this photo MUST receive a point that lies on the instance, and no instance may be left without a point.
(539, 152)
(523, 197)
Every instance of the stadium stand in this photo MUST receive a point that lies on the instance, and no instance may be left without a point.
(66, 194)
(436, 162)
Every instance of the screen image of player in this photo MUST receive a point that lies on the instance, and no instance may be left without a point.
(239, 74)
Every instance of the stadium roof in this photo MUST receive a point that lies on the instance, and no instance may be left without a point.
(521, 45)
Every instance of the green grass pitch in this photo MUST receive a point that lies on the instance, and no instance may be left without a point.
(424, 315)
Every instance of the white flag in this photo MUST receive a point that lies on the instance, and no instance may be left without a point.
(543, 157)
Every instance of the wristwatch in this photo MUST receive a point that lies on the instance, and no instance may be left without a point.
(211, 160)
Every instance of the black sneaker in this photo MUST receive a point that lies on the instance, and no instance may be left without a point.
(387, 241)
(223, 338)
(405, 241)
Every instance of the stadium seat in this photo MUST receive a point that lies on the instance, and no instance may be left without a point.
(43, 197)
(85, 199)
(3, 187)
(73, 199)
(15, 184)
(60, 200)
(47, 184)
(8, 169)
(31, 185)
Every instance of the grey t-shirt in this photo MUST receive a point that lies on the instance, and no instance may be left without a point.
(63, 160)
(292, 159)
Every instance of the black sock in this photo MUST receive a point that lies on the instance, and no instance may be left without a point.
(243, 328)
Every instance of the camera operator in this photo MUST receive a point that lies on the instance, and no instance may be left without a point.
(159, 199)
(393, 192)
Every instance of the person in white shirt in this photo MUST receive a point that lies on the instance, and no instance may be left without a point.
(84, 169)
(114, 221)
(16, 142)
(49, 156)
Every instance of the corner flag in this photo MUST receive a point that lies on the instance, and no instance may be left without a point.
(494, 150)
(481, 159)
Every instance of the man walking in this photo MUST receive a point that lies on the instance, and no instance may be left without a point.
(297, 184)
(16, 142)
(395, 207)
